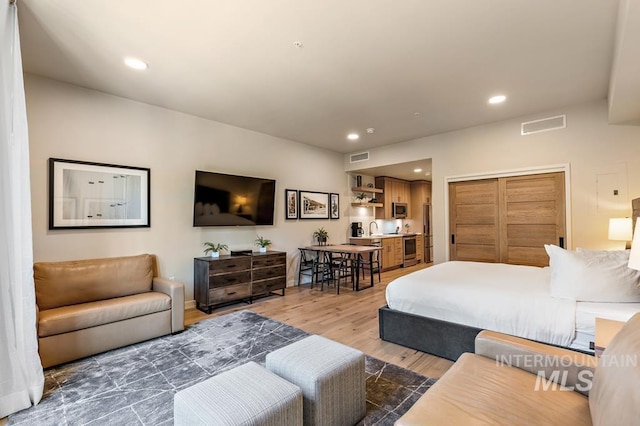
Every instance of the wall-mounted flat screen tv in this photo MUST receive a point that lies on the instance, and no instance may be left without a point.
(230, 200)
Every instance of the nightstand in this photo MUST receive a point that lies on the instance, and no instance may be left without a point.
(605, 330)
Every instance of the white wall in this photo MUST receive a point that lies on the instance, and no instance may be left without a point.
(593, 149)
(69, 122)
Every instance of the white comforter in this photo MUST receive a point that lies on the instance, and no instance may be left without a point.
(507, 298)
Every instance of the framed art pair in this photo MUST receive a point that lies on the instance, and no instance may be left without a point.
(311, 205)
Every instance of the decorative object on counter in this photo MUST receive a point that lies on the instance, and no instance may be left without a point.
(369, 185)
(96, 195)
(214, 248)
(291, 204)
(334, 204)
(314, 205)
(263, 243)
(406, 227)
(361, 197)
(321, 235)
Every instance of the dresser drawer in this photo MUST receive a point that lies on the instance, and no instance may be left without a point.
(238, 263)
(267, 286)
(271, 272)
(222, 280)
(232, 292)
(269, 260)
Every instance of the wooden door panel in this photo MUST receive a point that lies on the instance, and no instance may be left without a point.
(473, 220)
(476, 213)
(476, 192)
(543, 212)
(531, 235)
(476, 234)
(532, 213)
(534, 256)
(531, 189)
(477, 253)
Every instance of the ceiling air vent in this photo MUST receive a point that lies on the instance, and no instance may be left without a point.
(363, 156)
(537, 126)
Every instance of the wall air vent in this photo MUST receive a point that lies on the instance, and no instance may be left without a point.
(537, 126)
(356, 158)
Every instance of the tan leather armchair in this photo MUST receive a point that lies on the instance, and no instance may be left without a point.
(511, 381)
(90, 306)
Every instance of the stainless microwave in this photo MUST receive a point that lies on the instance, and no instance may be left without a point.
(399, 210)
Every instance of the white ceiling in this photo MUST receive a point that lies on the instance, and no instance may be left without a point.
(363, 63)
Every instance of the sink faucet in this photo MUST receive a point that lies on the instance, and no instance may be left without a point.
(372, 223)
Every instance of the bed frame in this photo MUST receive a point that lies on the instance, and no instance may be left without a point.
(440, 338)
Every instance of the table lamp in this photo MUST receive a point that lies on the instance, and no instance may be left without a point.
(621, 229)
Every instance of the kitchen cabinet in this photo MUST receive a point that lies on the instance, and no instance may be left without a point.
(395, 191)
(392, 254)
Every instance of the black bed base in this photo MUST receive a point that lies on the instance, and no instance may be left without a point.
(440, 338)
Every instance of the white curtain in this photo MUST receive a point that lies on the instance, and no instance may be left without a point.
(21, 377)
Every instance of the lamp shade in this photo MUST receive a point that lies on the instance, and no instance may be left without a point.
(621, 229)
(634, 256)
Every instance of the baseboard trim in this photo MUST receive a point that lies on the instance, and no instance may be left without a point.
(189, 304)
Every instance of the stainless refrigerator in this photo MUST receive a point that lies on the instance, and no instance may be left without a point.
(427, 233)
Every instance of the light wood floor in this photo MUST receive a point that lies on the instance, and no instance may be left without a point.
(350, 318)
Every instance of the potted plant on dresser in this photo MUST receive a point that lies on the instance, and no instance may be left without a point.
(214, 248)
(263, 243)
(321, 236)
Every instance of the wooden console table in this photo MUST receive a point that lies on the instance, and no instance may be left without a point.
(225, 279)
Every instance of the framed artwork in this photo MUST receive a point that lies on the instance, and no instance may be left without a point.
(313, 205)
(291, 203)
(334, 206)
(95, 195)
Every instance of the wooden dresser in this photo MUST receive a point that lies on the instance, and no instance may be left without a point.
(225, 279)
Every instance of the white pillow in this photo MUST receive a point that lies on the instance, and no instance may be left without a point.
(593, 275)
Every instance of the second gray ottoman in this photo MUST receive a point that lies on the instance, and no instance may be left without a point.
(246, 395)
(331, 376)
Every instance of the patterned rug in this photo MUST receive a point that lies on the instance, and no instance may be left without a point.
(135, 385)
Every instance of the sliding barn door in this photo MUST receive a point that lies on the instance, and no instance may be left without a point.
(474, 221)
(532, 214)
(507, 219)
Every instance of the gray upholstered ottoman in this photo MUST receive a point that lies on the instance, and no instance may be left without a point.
(246, 395)
(331, 376)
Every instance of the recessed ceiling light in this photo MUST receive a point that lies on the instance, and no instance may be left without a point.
(353, 136)
(136, 63)
(427, 174)
(498, 99)
(417, 170)
(370, 130)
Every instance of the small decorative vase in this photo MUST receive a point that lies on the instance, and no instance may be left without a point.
(262, 249)
(215, 254)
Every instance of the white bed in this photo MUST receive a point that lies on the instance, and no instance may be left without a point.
(512, 299)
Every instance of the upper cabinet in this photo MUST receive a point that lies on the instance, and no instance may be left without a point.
(395, 191)
(420, 195)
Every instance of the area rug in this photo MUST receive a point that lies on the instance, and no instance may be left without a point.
(135, 385)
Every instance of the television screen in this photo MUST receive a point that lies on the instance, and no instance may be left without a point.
(229, 200)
